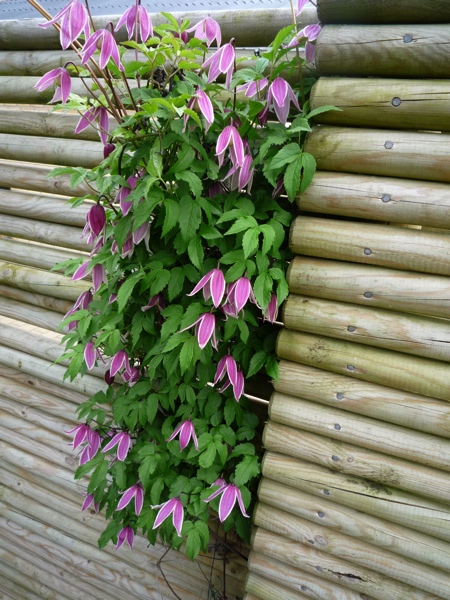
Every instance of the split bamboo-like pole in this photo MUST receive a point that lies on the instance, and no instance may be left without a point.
(385, 404)
(384, 534)
(16, 174)
(378, 198)
(362, 431)
(383, 245)
(378, 11)
(394, 289)
(385, 367)
(355, 460)
(406, 51)
(238, 24)
(43, 232)
(54, 151)
(43, 208)
(271, 590)
(348, 548)
(299, 580)
(421, 336)
(33, 255)
(27, 313)
(387, 103)
(386, 152)
(34, 299)
(365, 581)
(43, 282)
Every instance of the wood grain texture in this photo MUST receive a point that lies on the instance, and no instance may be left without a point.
(42, 232)
(355, 460)
(348, 548)
(386, 103)
(367, 285)
(78, 153)
(421, 336)
(16, 34)
(379, 11)
(360, 430)
(373, 244)
(361, 579)
(271, 590)
(385, 199)
(403, 51)
(43, 208)
(385, 152)
(47, 302)
(33, 254)
(384, 367)
(27, 313)
(385, 404)
(298, 580)
(379, 532)
(26, 586)
(16, 174)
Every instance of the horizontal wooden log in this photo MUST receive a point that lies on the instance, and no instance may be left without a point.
(27, 587)
(21, 90)
(353, 550)
(421, 336)
(377, 11)
(378, 198)
(388, 503)
(412, 155)
(19, 175)
(27, 313)
(382, 245)
(299, 580)
(355, 460)
(43, 282)
(43, 208)
(43, 232)
(393, 369)
(54, 151)
(360, 430)
(370, 286)
(45, 302)
(239, 24)
(271, 590)
(393, 103)
(407, 51)
(379, 402)
(347, 573)
(33, 254)
(384, 534)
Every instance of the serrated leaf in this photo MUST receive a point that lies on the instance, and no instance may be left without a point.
(151, 407)
(176, 282)
(285, 156)
(292, 177)
(190, 217)
(147, 468)
(242, 224)
(193, 544)
(195, 252)
(272, 368)
(269, 237)
(194, 182)
(122, 230)
(246, 470)
(143, 212)
(185, 158)
(309, 168)
(321, 109)
(208, 456)
(111, 531)
(257, 363)
(250, 241)
(126, 289)
(262, 288)
(187, 354)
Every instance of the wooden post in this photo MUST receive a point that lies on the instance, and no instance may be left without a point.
(378, 11)
(19, 175)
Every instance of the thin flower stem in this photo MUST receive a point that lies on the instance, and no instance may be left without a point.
(300, 72)
(88, 8)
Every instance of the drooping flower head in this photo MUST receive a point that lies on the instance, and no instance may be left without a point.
(134, 16)
(207, 30)
(119, 362)
(74, 20)
(221, 61)
(136, 492)
(123, 442)
(310, 34)
(185, 430)
(88, 501)
(230, 493)
(125, 535)
(281, 95)
(230, 138)
(104, 41)
(172, 507)
(99, 115)
(252, 88)
(300, 6)
(271, 312)
(200, 100)
(205, 330)
(213, 285)
(61, 78)
(239, 293)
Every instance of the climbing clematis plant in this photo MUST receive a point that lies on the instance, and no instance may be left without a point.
(186, 227)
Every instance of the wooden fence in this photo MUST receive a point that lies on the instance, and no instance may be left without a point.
(354, 500)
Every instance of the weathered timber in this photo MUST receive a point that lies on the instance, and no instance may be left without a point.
(412, 155)
(378, 198)
(51, 209)
(271, 590)
(384, 367)
(364, 580)
(360, 430)
(386, 502)
(40, 281)
(30, 254)
(384, 534)
(421, 336)
(379, 402)
(375, 244)
(25, 587)
(356, 551)
(380, 11)
(238, 24)
(52, 304)
(54, 151)
(392, 103)
(19, 175)
(374, 466)
(370, 286)
(296, 579)
(406, 51)
(21, 90)
(27, 313)
(43, 232)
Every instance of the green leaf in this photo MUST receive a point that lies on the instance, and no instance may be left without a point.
(144, 210)
(243, 450)
(272, 368)
(257, 363)
(122, 229)
(190, 217)
(208, 456)
(321, 109)
(147, 468)
(195, 252)
(193, 544)
(250, 241)
(292, 177)
(151, 406)
(309, 168)
(157, 488)
(269, 237)
(194, 182)
(187, 354)
(242, 224)
(111, 531)
(176, 282)
(126, 289)
(185, 158)
(98, 476)
(285, 156)
(172, 215)
(262, 288)
(246, 470)
(161, 280)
